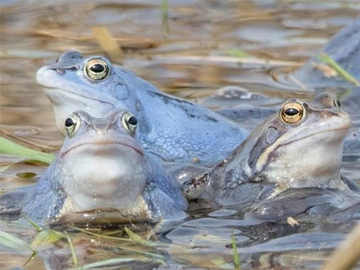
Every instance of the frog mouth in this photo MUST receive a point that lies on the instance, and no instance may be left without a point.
(50, 90)
(62, 154)
(343, 129)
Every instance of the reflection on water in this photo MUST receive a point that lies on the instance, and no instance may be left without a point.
(192, 61)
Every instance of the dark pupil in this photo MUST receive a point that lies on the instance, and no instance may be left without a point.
(132, 120)
(97, 68)
(291, 111)
(69, 122)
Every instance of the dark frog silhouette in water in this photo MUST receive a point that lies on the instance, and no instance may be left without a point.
(100, 175)
(298, 147)
(344, 49)
(171, 128)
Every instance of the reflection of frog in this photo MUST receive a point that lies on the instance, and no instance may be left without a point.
(101, 174)
(171, 128)
(298, 147)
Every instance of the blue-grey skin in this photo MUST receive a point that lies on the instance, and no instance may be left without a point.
(299, 151)
(173, 129)
(344, 48)
(101, 174)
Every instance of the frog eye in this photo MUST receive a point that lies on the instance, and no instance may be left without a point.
(72, 124)
(96, 69)
(292, 112)
(129, 122)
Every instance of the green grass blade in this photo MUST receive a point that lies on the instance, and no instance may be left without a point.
(133, 237)
(102, 235)
(342, 72)
(32, 223)
(165, 17)
(9, 147)
(138, 239)
(11, 241)
(235, 252)
(46, 237)
(72, 249)
(33, 255)
(237, 53)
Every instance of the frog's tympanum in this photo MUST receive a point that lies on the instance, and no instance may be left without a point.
(101, 174)
(298, 147)
(172, 129)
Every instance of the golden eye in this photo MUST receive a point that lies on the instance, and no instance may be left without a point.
(72, 124)
(129, 122)
(292, 112)
(96, 69)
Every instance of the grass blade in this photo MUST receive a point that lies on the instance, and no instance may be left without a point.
(101, 235)
(11, 241)
(46, 237)
(235, 252)
(342, 72)
(237, 53)
(33, 255)
(9, 147)
(133, 236)
(165, 17)
(73, 254)
(32, 223)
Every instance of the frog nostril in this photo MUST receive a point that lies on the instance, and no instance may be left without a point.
(61, 71)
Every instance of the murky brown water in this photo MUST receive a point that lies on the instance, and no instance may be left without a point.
(192, 60)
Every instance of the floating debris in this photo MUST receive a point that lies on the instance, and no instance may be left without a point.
(107, 42)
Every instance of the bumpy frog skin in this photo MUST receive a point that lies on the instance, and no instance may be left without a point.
(101, 174)
(172, 129)
(298, 147)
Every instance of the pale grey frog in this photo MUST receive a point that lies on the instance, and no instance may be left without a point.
(100, 175)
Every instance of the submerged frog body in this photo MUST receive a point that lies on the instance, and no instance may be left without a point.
(298, 147)
(173, 129)
(101, 174)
